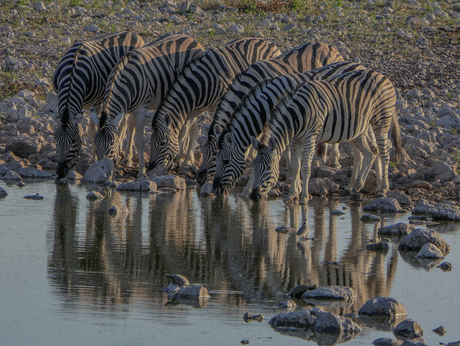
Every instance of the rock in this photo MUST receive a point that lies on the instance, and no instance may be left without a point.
(384, 205)
(329, 292)
(337, 212)
(73, 175)
(383, 306)
(288, 305)
(35, 197)
(408, 329)
(206, 190)
(3, 193)
(284, 229)
(190, 292)
(429, 251)
(14, 166)
(386, 342)
(118, 209)
(247, 317)
(440, 331)
(29, 172)
(400, 228)
(39, 6)
(99, 171)
(327, 322)
(418, 342)
(321, 186)
(237, 29)
(185, 6)
(145, 185)
(380, 246)
(23, 146)
(370, 218)
(303, 319)
(94, 196)
(456, 343)
(170, 181)
(11, 175)
(400, 196)
(445, 266)
(443, 171)
(91, 28)
(440, 211)
(416, 239)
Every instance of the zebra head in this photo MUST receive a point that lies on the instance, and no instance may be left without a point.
(265, 168)
(209, 151)
(68, 142)
(163, 148)
(230, 165)
(107, 138)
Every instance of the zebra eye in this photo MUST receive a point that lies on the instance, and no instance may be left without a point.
(163, 143)
(226, 162)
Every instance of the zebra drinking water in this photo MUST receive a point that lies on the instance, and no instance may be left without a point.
(252, 114)
(79, 80)
(340, 109)
(140, 81)
(303, 58)
(200, 88)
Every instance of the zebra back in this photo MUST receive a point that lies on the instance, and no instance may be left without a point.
(81, 75)
(144, 75)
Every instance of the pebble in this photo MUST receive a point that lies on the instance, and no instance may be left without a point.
(35, 197)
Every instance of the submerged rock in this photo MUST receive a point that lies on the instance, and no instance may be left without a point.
(379, 246)
(416, 239)
(400, 228)
(327, 322)
(303, 319)
(384, 205)
(383, 306)
(370, 218)
(386, 342)
(408, 329)
(36, 197)
(288, 305)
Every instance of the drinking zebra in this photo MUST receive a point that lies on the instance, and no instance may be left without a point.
(200, 88)
(140, 81)
(303, 58)
(340, 109)
(79, 80)
(252, 114)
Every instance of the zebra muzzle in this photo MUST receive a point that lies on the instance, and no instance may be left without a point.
(256, 195)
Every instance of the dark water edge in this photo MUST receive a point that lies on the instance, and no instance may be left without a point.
(73, 274)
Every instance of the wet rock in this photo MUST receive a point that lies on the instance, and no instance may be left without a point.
(73, 175)
(429, 251)
(383, 306)
(445, 266)
(408, 329)
(94, 196)
(206, 190)
(416, 239)
(11, 175)
(440, 331)
(245, 342)
(384, 205)
(137, 186)
(327, 322)
(381, 246)
(455, 343)
(370, 218)
(303, 319)
(118, 209)
(35, 197)
(288, 305)
(386, 342)
(337, 212)
(400, 196)
(418, 342)
(439, 211)
(99, 171)
(330, 292)
(20, 184)
(400, 228)
(35, 173)
(23, 146)
(284, 229)
(3, 193)
(170, 181)
(189, 292)
(321, 186)
(247, 317)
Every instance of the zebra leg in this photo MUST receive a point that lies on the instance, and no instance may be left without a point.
(248, 188)
(384, 155)
(335, 154)
(368, 157)
(308, 152)
(183, 140)
(128, 157)
(139, 137)
(91, 131)
(296, 159)
(357, 161)
(193, 134)
(287, 157)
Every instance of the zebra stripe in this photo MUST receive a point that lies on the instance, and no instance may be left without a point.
(251, 115)
(139, 82)
(300, 59)
(200, 88)
(79, 80)
(340, 109)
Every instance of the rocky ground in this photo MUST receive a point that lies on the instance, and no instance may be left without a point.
(414, 43)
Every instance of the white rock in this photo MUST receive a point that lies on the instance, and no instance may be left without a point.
(39, 6)
(91, 28)
(429, 251)
(99, 171)
(237, 29)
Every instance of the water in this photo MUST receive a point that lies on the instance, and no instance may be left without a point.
(71, 274)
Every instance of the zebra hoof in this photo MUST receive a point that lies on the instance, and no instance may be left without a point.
(336, 165)
(128, 164)
(355, 196)
(380, 194)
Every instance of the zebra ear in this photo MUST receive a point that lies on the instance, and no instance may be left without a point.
(118, 119)
(271, 144)
(229, 139)
(93, 116)
(167, 120)
(217, 130)
(255, 143)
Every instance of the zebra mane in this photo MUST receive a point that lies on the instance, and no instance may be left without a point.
(265, 135)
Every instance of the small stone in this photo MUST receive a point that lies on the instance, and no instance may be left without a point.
(370, 218)
(3, 193)
(384, 205)
(408, 329)
(445, 266)
(91, 28)
(386, 342)
(383, 306)
(35, 197)
(440, 331)
(237, 29)
(288, 305)
(245, 342)
(284, 229)
(337, 212)
(415, 240)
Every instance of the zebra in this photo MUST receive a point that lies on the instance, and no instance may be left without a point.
(251, 115)
(200, 88)
(139, 82)
(79, 81)
(340, 109)
(306, 57)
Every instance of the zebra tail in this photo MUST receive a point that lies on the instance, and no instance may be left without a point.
(396, 137)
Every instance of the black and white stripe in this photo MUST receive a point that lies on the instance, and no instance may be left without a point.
(79, 80)
(252, 114)
(341, 109)
(200, 88)
(306, 57)
(140, 81)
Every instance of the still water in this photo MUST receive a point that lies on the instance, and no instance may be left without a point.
(71, 274)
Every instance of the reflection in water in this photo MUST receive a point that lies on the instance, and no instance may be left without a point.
(229, 245)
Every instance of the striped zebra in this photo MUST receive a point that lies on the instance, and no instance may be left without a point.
(252, 114)
(79, 80)
(340, 109)
(300, 59)
(139, 82)
(200, 88)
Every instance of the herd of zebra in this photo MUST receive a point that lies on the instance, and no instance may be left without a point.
(260, 98)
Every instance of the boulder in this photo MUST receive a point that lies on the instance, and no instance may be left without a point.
(370, 218)
(429, 251)
(329, 292)
(400, 196)
(415, 240)
(321, 186)
(303, 319)
(383, 306)
(145, 185)
(400, 228)
(408, 329)
(384, 205)
(327, 322)
(23, 146)
(99, 171)
(11, 175)
(170, 181)
(3, 193)
(444, 171)
(386, 342)
(440, 211)
(14, 166)
(29, 172)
